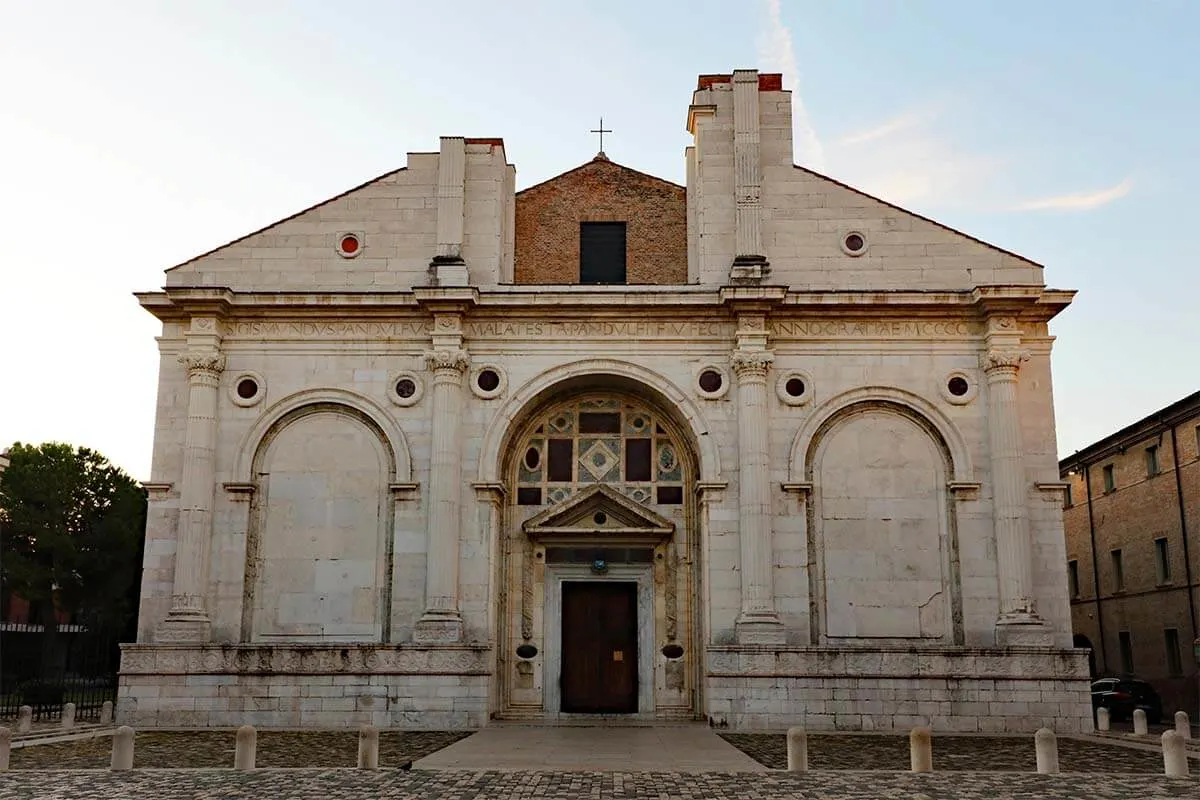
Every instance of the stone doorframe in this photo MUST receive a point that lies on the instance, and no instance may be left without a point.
(556, 575)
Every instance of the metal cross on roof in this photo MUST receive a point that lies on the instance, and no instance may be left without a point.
(601, 130)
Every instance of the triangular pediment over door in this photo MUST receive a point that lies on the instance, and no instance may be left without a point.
(599, 515)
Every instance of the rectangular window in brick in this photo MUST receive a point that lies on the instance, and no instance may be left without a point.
(1174, 662)
(602, 252)
(1110, 480)
(1073, 577)
(1126, 651)
(1152, 460)
(1162, 561)
(1118, 567)
(1067, 497)
(561, 460)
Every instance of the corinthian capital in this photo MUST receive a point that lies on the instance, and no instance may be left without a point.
(455, 359)
(1003, 358)
(203, 363)
(751, 363)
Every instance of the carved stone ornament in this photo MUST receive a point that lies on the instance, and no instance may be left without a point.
(1003, 359)
(748, 363)
(456, 359)
(211, 363)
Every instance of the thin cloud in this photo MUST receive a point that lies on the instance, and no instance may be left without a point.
(776, 51)
(892, 126)
(1080, 201)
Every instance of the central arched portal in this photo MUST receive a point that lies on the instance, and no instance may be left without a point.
(599, 580)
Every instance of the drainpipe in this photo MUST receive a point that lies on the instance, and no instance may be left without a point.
(1087, 482)
(1187, 561)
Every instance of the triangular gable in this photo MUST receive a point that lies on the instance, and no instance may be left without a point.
(599, 514)
(603, 162)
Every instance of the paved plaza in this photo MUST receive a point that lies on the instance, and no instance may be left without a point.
(531, 762)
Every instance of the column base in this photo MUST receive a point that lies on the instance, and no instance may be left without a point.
(760, 628)
(450, 271)
(748, 269)
(438, 627)
(1022, 629)
(184, 628)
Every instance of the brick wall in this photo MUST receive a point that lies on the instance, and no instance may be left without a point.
(1141, 509)
(548, 217)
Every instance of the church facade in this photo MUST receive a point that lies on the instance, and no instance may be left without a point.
(760, 450)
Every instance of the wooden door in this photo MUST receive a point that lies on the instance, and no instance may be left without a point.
(599, 647)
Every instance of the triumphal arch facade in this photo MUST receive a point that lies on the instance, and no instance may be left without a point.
(761, 450)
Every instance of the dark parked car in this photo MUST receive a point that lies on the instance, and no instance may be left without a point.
(1122, 695)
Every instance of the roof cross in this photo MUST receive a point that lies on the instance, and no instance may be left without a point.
(601, 130)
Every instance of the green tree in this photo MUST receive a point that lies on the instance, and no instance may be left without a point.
(71, 529)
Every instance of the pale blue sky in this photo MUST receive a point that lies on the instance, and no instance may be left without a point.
(134, 135)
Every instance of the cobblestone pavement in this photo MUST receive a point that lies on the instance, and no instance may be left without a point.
(215, 749)
(308, 784)
(990, 753)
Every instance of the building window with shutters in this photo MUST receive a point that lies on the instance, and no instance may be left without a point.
(1151, 461)
(1110, 479)
(602, 253)
(1162, 561)
(1073, 578)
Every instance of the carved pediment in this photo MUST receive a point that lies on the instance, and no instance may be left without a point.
(599, 514)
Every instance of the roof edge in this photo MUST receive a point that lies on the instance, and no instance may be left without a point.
(601, 160)
(1162, 419)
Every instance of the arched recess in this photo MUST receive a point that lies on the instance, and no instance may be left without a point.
(945, 430)
(372, 413)
(882, 527)
(596, 373)
(318, 544)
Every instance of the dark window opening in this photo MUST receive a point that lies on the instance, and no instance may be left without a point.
(1174, 662)
(592, 422)
(602, 252)
(637, 459)
(670, 495)
(529, 497)
(561, 457)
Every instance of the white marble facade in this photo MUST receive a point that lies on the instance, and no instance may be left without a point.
(851, 519)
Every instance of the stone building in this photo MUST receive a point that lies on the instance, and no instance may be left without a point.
(1131, 515)
(761, 449)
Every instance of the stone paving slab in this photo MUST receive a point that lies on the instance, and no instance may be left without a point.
(999, 753)
(684, 748)
(209, 749)
(307, 784)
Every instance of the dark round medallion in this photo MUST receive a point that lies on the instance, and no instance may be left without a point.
(526, 651)
(958, 386)
(711, 381)
(672, 651)
(488, 380)
(794, 387)
(855, 243)
(349, 244)
(247, 388)
(405, 388)
(533, 458)
(599, 518)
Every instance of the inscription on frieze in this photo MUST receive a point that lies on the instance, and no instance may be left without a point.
(874, 329)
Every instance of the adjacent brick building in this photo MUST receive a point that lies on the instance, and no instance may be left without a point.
(1132, 513)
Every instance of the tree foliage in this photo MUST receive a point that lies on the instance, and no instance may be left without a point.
(71, 529)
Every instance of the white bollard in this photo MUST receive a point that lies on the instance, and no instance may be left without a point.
(68, 716)
(1046, 745)
(920, 749)
(1139, 723)
(797, 750)
(247, 744)
(368, 747)
(106, 713)
(122, 749)
(25, 719)
(1175, 762)
(1102, 719)
(5, 747)
(1182, 725)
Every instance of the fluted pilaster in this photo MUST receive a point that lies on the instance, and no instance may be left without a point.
(442, 620)
(758, 621)
(749, 262)
(188, 620)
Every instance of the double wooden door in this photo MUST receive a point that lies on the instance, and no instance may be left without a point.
(599, 647)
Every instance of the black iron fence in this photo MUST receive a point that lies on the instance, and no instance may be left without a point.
(74, 664)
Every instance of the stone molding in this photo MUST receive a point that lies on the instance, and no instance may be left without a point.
(203, 364)
(1002, 359)
(965, 663)
(749, 364)
(960, 454)
(305, 659)
(450, 360)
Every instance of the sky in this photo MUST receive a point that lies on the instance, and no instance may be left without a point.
(134, 135)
